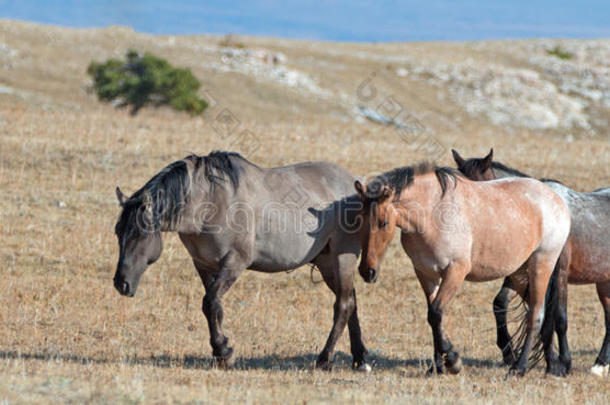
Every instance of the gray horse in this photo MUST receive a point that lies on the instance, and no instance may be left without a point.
(584, 259)
(233, 215)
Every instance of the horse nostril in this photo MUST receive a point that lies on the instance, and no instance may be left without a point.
(372, 275)
(121, 286)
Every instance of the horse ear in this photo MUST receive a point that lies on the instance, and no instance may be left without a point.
(487, 159)
(120, 196)
(458, 159)
(360, 188)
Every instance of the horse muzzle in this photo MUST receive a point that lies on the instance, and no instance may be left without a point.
(369, 275)
(123, 287)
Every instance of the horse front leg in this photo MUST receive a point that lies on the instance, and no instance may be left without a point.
(338, 275)
(602, 363)
(563, 363)
(216, 285)
(340, 280)
(500, 306)
(439, 297)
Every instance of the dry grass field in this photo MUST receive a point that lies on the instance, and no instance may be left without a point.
(67, 336)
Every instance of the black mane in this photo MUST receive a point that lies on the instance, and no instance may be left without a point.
(169, 190)
(510, 170)
(475, 166)
(217, 167)
(400, 178)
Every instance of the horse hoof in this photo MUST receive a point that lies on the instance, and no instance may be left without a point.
(556, 371)
(516, 372)
(224, 361)
(432, 371)
(324, 365)
(556, 368)
(508, 359)
(600, 370)
(362, 367)
(222, 364)
(456, 367)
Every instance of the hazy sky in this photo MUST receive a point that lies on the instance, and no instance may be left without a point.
(334, 20)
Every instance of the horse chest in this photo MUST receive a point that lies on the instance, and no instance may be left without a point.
(206, 250)
(426, 257)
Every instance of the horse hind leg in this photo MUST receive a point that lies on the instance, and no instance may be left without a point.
(337, 272)
(540, 268)
(601, 367)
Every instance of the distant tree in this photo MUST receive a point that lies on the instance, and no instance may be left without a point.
(142, 80)
(560, 53)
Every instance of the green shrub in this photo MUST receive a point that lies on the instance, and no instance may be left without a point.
(560, 53)
(143, 80)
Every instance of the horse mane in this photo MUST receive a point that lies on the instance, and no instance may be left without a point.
(509, 170)
(547, 180)
(400, 178)
(217, 167)
(169, 189)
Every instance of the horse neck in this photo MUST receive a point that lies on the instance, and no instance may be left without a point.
(416, 202)
(205, 203)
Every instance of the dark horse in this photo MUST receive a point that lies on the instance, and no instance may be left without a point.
(233, 215)
(584, 259)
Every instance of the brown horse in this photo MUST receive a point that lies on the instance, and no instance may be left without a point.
(454, 229)
(583, 260)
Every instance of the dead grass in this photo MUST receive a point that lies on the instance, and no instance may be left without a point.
(67, 336)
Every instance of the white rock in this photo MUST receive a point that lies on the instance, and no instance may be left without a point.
(402, 72)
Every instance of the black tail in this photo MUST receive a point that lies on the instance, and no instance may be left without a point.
(545, 338)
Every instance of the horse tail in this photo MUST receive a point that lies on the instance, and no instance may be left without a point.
(545, 337)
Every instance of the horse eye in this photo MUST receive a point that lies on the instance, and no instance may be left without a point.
(383, 224)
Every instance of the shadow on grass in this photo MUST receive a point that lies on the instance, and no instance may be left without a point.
(268, 362)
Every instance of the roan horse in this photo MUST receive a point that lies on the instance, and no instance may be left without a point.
(454, 229)
(233, 215)
(584, 258)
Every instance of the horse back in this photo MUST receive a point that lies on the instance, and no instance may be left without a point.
(511, 219)
(277, 218)
(589, 234)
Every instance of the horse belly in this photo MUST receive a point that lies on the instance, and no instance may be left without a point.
(278, 251)
(589, 262)
(496, 258)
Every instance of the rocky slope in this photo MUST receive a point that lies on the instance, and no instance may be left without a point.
(557, 87)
